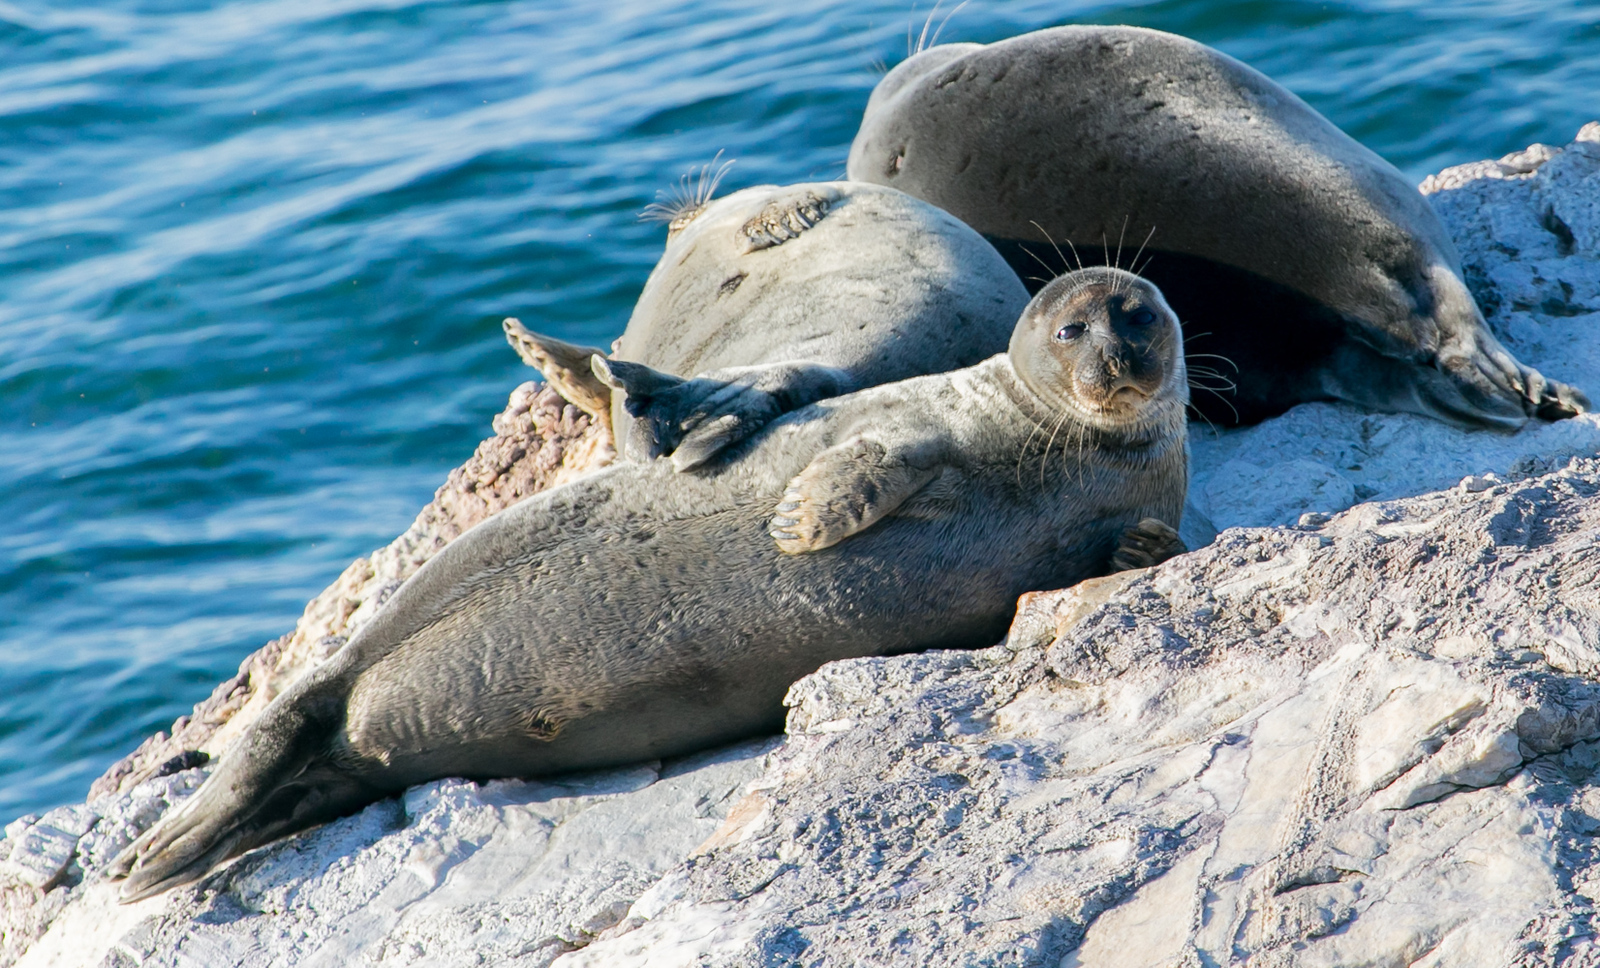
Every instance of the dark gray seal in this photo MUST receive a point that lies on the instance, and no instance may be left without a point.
(640, 612)
(1287, 249)
(775, 297)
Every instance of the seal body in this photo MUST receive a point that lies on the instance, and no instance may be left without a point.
(1303, 265)
(774, 297)
(640, 612)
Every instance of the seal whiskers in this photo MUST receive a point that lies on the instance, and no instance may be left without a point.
(693, 194)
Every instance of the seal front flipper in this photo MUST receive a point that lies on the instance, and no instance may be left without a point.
(1145, 545)
(565, 367)
(847, 489)
(696, 419)
(718, 409)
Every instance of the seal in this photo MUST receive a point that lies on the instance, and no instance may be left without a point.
(774, 297)
(1290, 252)
(639, 612)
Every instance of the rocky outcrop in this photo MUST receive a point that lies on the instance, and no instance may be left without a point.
(1361, 727)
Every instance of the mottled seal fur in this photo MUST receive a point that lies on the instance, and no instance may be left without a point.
(775, 297)
(640, 612)
(1288, 249)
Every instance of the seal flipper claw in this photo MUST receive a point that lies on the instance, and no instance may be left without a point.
(843, 491)
(1145, 545)
(1561, 401)
(565, 367)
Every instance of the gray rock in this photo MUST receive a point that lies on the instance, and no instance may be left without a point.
(1344, 733)
(39, 851)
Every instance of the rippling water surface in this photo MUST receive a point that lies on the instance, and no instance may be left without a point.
(253, 258)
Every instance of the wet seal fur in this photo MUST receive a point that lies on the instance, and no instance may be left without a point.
(640, 612)
(774, 297)
(1288, 249)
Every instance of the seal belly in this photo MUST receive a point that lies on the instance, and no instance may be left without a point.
(640, 644)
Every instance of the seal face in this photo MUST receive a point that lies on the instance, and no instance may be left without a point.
(1304, 265)
(1100, 344)
(639, 612)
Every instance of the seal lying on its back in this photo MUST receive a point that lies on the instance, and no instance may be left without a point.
(640, 613)
(1285, 246)
(773, 298)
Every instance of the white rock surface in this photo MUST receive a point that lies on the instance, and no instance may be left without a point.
(1369, 739)
(507, 873)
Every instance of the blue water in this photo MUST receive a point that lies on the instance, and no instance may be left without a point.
(253, 257)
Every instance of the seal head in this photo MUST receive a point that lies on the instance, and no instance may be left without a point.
(1102, 346)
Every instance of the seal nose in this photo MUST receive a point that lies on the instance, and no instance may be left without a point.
(1114, 356)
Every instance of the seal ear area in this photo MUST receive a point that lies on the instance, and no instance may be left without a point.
(565, 367)
(785, 218)
(845, 490)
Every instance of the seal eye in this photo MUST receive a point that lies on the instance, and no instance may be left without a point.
(1143, 317)
(1069, 332)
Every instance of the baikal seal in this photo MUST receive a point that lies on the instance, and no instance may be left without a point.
(642, 612)
(1304, 266)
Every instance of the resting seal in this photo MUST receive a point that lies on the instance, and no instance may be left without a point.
(1287, 248)
(640, 612)
(775, 297)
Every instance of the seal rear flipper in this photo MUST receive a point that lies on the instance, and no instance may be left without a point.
(694, 420)
(846, 490)
(195, 850)
(229, 811)
(565, 367)
(716, 410)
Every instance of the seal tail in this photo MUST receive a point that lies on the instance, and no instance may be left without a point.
(565, 367)
(268, 786)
